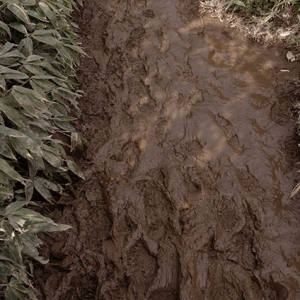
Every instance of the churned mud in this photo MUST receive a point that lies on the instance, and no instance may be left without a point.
(190, 163)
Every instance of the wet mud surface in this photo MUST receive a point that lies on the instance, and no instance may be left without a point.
(190, 163)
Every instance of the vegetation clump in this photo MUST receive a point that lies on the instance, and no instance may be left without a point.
(38, 56)
(264, 21)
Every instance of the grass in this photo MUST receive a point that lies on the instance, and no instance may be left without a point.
(38, 92)
(265, 21)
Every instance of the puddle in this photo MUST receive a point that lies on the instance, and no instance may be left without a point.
(187, 193)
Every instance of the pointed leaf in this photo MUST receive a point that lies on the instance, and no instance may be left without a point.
(6, 48)
(19, 12)
(39, 186)
(24, 102)
(74, 168)
(29, 187)
(295, 190)
(13, 207)
(5, 193)
(52, 159)
(12, 114)
(47, 39)
(6, 151)
(48, 13)
(9, 171)
(5, 28)
(20, 148)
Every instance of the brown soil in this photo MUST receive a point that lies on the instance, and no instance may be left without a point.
(190, 163)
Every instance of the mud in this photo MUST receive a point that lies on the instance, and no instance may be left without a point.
(189, 167)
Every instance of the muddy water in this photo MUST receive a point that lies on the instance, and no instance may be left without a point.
(187, 192)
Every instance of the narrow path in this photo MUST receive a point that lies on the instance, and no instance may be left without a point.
(187, 192)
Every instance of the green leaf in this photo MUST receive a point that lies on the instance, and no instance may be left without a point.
(36, 15)
(6, 151)
(239, 3)
(24, 102)
(13, 207)
(47, 39)
(44, 84)
(9, 171)
(19, 27)
(295, 190)
(52, 159)
(74, 168)
(29, 3)
(5, 28)
(29, 187)
(5, 268)
(52, 70)
(45, 224)
(8, 71)
(19, 12)
(5, 193)
(44, 191)
(4, 179)
(7, 47)
(30, 247)
(27, 45)
(12, 114)
(75, 48)
(48, 13)
(10, 294)
(20, 148)
(11, 132)
(16, 222)
(2, 82)
(64, 125)
(50, 185)
(34, 59)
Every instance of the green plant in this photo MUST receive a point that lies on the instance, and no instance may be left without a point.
(267, 9)
(38, 56)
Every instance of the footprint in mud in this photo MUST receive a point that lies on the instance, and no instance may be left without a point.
(141, 270)
(148, 13)
(231, 282)
(227, 128)
(135, 36)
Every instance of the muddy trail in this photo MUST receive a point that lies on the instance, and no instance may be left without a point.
(190, 163)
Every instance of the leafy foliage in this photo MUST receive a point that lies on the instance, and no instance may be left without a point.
(38, 54)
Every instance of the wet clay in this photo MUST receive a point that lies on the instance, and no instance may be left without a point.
(188, 177)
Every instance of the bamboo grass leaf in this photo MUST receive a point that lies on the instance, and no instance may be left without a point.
(12, 114)
(49, 13)
(74, 168)
(9, 171)
(6, 151)
(39, 186)
(19, 27)
(29, 188)
(19, 12)
(5, 193)
(25, 102)
(13, 207)
(5, 27)
(20, 148)
(52, 159)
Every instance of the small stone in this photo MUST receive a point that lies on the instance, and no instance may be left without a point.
(290, 56)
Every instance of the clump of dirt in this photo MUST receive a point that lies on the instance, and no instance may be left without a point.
(188, 173)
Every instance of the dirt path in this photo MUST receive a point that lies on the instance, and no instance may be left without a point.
(188, 180)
